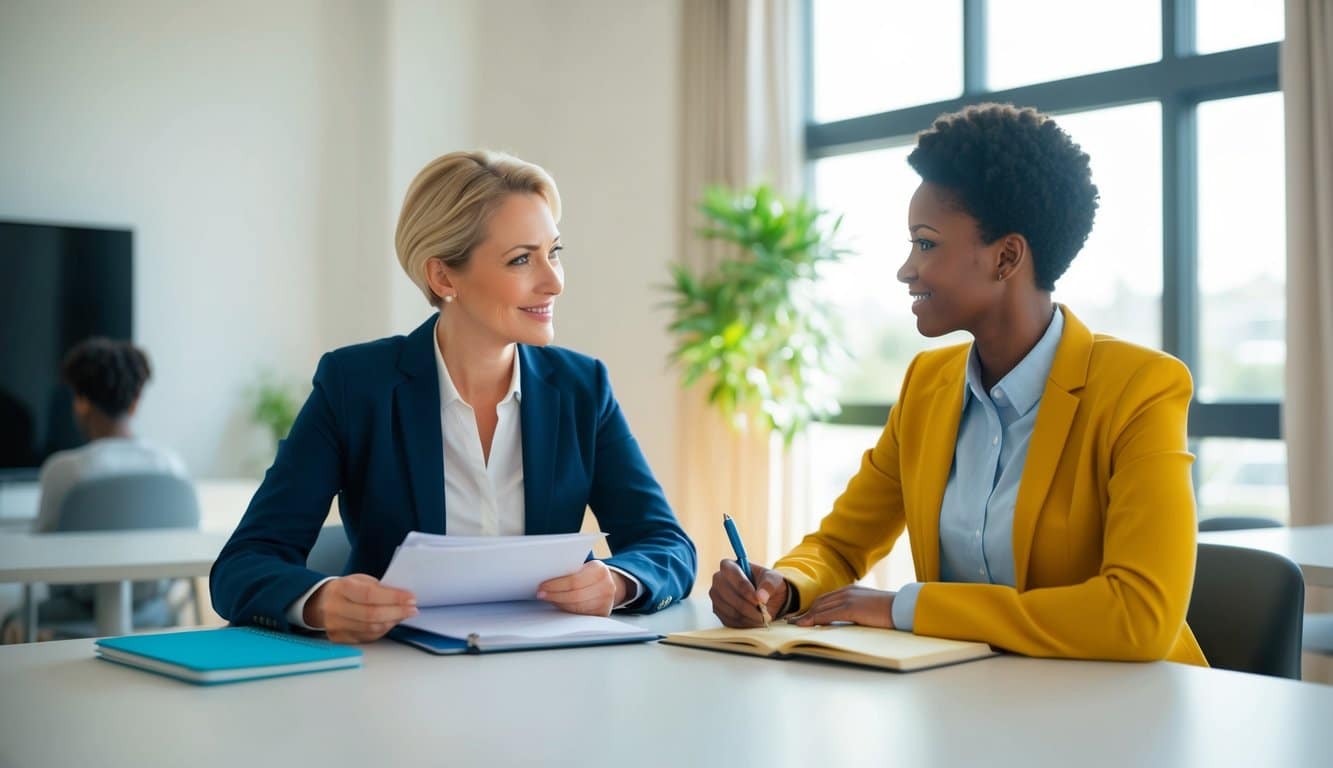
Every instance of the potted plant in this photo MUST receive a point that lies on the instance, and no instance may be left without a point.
(752, 327)
(273, 406)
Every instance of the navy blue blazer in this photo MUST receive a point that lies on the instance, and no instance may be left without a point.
(370, 433)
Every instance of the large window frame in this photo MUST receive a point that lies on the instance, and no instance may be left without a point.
(1180, 81)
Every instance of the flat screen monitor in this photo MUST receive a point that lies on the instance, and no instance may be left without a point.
(58, 285)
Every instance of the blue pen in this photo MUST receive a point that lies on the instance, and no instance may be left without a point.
(744, 562)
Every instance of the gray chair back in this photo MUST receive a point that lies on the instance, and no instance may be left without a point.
(1237, 523)
(123, 503)
(130, 502)
(1246, 610)
(331, 551)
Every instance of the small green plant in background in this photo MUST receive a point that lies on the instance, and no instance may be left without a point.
(273, 405)
(753, 327)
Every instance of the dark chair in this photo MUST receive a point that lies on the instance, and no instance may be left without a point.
(1246, 610)
(1237, 523)
(119, 503)
(1317, 636)
(331, 551)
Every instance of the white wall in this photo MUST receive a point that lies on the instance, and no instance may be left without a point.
(260, 152)
(589, 90)
(432, 96)
(241, 143)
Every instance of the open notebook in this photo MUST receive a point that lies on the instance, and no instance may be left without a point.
(513, 626)
(868, 646)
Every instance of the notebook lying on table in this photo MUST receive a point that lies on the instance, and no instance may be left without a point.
(513, 626)
(867, 646)
(226, 655)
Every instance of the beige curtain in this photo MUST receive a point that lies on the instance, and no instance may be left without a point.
(1307, 415)
(741, 123)
(1307, 84)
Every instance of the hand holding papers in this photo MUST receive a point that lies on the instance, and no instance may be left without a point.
(476, 593)
(457, 570)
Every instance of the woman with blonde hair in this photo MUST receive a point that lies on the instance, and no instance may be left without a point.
(472, 424)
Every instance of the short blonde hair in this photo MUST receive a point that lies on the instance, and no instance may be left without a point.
(449, 202)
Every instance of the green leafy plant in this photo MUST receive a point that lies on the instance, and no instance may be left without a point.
(273, 405)
(753, 327)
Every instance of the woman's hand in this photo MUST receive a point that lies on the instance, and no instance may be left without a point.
(859, 605)
(592, 590)
(736, 601)
(358, 608)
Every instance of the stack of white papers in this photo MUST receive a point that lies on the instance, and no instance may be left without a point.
(457, 570)
(480, 591)
(522, 626)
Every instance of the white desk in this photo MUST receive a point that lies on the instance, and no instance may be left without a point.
(1310, 547)
(656, 705)
(110, 559)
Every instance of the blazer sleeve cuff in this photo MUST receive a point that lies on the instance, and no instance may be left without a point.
(296, 611)
(806, 589)
(904, 606)
(635, 588)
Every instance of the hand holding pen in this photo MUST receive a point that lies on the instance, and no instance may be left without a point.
(746, 595)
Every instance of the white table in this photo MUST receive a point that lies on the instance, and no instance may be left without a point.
(1310, 547)
(650, 705)
(111, 559)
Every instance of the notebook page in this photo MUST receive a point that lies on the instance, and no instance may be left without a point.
(769, 639)
(889, 648)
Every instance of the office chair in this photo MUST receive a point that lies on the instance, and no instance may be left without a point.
(1317, 636)
(117, 503)
(330, 553)
(1246, 610)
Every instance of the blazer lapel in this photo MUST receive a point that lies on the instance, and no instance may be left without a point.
(1055, 415)
(539, 417)
(938, 441)
(417, 408)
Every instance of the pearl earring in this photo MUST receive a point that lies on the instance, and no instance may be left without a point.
(448, 299)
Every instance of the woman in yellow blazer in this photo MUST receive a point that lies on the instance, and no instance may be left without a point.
(1041, 471)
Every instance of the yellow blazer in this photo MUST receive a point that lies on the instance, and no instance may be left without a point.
(1104, 522)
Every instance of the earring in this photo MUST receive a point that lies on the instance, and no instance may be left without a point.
(448, 299)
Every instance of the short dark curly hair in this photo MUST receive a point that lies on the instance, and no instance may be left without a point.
(1013, 170)
(111, 374)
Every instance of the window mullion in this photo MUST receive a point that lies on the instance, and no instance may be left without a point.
(1177, 28)
(1180, 201)
(974, 47)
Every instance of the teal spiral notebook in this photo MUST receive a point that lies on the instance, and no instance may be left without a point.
(226, 655)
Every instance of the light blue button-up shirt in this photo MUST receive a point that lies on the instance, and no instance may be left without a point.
(977, 513)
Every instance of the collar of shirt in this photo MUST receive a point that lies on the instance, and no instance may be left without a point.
(449, 393)
(1021, 388)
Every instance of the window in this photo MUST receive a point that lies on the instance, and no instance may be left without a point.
(1177, 102)
(1041, 40)
(853, 36)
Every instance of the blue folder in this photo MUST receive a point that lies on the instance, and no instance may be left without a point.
(230, 654)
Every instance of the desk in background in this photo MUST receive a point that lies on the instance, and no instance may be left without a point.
(1310, 547)
(65, 560)
(656, 705)
(110, 559)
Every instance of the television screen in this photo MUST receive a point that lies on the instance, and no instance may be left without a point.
(58, 286)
